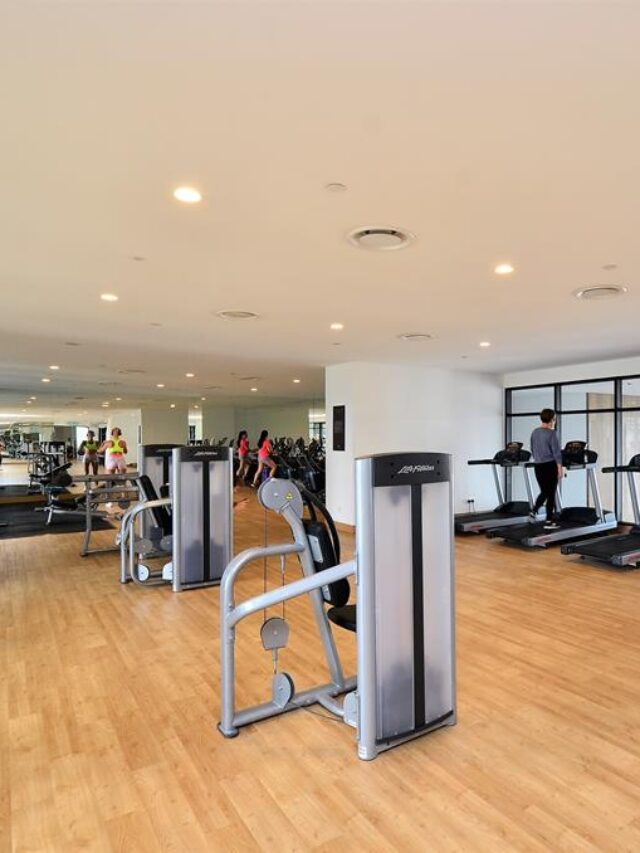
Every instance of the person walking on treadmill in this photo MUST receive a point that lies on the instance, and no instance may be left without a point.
(547, 459)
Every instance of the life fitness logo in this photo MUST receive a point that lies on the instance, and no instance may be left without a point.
(416, 469)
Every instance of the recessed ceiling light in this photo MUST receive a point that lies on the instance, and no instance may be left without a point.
(335, 187)
(71, 344)
(203, 399)
(109, 297)
(45, 379)
(504, 269)
(118, 399)
(54, 367)
(337, 327)
(485, 343)
(172, 406)
(415, 336)
(254, 389)
(28, 402)
(196, 406)
(187, 195)
(296, 381)
(380, 238)
(236, 314)
(160, 385)
(600, 291)
(189, 375)
(34, 398)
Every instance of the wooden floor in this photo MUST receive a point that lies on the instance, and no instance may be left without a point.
(109, 697)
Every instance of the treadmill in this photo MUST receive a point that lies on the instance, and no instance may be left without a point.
(506, 513)
(575, 521)
(619, 550)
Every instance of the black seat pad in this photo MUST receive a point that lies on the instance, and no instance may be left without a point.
(345, 616)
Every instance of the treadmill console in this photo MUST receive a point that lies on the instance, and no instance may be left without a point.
(576, 454)
(513, 454)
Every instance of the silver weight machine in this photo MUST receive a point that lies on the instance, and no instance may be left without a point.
(404, 616)
(191, 530)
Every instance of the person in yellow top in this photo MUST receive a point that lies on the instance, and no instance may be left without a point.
(114, 450)
(89, 452)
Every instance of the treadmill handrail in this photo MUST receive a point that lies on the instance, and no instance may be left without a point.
(612, 469)
(500, 464)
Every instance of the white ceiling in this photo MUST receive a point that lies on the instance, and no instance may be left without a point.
(492, 130)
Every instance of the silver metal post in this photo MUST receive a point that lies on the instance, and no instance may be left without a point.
(527, 483)
(633, 492)
(592, 483)
(366, 628)
(227, 629)
(498, 484)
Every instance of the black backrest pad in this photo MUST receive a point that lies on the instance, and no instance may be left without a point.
(324, 556)
(634, 462)
(161, 516)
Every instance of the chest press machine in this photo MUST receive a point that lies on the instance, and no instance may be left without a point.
(404, 617)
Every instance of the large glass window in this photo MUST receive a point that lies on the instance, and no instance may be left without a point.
(603, 412)
(631, 392)
(527, 400)
(576, 397)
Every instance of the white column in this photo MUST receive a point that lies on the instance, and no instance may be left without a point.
(405, 407)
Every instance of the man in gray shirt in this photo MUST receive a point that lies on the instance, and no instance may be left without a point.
(547, 458)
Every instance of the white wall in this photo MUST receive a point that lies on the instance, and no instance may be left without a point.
(391, 408)
(162, 424)
(218, 422)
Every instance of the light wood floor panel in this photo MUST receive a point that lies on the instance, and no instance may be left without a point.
(109, 697)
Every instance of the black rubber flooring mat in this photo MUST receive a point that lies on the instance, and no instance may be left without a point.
(17, 522)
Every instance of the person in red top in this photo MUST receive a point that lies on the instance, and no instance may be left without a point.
(264, 458)
(243, 455)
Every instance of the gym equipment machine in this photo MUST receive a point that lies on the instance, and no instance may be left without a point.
(194, 525)
(574, 522)
(622, 550)
(404, 617)
(507, 512)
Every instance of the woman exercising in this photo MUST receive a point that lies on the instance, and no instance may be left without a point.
(114, 449)
(264, 458)
(243, 455)
(89, 452)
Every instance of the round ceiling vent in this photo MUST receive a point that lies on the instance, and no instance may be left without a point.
(129, 370)
(380, 239)
(415, 337)
(236, 314)
(600, 291)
